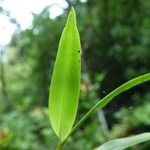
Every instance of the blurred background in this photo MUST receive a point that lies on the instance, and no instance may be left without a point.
(115, 37)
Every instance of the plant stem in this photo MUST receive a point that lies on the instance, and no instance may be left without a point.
(60, 146)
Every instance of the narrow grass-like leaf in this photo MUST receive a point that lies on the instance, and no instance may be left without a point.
(124, 87)
(65, 84)
(122, 143)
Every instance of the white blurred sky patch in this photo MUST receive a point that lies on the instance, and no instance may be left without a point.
(22, 11)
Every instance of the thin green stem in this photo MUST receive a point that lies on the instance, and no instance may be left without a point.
(126, 86)
(60, 146)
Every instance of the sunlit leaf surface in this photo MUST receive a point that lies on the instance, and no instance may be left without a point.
(65, 84)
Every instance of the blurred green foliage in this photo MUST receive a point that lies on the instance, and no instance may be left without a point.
(115, 37)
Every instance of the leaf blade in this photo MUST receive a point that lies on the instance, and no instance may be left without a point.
(108, 98)
(65, 84)
(122, 143)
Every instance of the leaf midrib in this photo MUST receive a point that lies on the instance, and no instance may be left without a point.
(67, 71)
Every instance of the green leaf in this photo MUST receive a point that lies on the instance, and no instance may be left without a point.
(65, 84)
(124, 87)
(122, 143)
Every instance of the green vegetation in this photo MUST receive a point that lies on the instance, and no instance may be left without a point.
(123, 143)
(65, 84)
(115, 39)
(64, 90)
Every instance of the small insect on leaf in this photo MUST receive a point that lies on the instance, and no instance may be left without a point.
(65, 83)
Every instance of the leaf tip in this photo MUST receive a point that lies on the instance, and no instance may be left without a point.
(72, 9)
